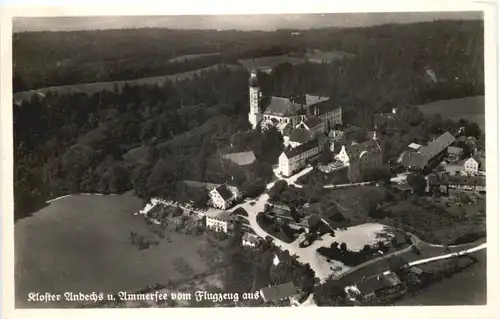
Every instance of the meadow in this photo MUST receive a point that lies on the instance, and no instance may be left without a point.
(82, 244)
(469, 108)
(90, 88)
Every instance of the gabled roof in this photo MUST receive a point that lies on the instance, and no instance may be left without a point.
(300, 135)
(278, 292)
(251, 238)
(310, 221)
(242, 158)
(224, 192)
(437, 146)
(302, 148)
(312, 122)
(355, 151)
(413, 159)
(279, 106)
(377, 282)
(323, 107)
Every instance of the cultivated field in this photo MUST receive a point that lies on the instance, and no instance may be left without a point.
(90, 88)
(470, 108)
(82, 244)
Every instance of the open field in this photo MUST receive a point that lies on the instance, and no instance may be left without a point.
(82, 244)
(90, 88)
(185, 57)
(470, 108)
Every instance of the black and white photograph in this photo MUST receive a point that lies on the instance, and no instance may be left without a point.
(250, 160)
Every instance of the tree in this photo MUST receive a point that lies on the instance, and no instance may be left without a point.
(343, 247)
(329, 293)
(417, 182)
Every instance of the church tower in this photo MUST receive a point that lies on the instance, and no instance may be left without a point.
(255, 114)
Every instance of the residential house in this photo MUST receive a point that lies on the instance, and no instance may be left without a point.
(241, 158)
(375, 288)
(250, 240)
(430, 155)
(361, 158)
(279, 292)
(471, 166)
(224, 196)
(219, 221)
(294, 159)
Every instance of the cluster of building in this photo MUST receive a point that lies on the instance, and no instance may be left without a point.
(309, 123)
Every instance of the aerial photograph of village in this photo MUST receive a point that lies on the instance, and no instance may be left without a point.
(300, 160)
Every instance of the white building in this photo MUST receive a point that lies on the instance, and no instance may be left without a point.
(471, 166)
(293, 159)
(255, 114)
(250, 240)
(224, 196)
(218, 221)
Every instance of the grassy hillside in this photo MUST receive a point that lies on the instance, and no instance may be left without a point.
(469, 108)
(95, 87)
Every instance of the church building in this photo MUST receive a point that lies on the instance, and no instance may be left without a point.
(361, 158)
(311, 111)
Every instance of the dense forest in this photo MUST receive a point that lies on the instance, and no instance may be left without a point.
(43, 59)
(149, 137)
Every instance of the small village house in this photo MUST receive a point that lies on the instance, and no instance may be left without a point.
(375, 288)
(223, 196)
(250, 240)
(280, 292)
(471, 166)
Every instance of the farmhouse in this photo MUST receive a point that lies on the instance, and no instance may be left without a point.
(282, 111)
(429, 155)
(361, 158)
(279, 292)
(224, 196)
(375, 287)
(293, 159)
